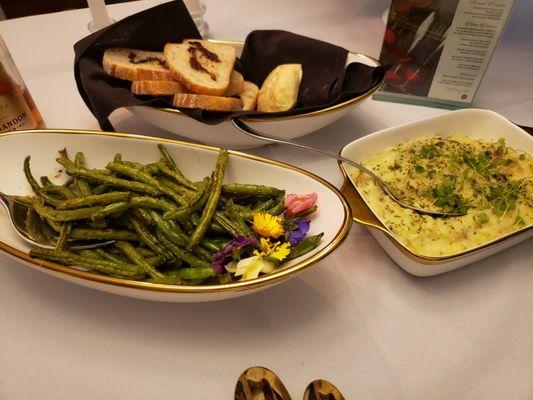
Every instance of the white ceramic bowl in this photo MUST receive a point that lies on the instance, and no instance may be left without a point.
(226, 135)
(196, 161)
(479, 124)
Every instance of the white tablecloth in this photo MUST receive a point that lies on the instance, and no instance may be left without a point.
(356, 319)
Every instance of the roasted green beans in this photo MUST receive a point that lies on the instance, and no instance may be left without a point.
(166, 228)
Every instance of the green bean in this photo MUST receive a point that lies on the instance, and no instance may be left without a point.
(81, 185)
(101, 189)
(157, 260)
(216, 228)
(195, 218)
(227, 224)
(169, 161)
(117, 158)
(181, 254)
(69, 181)
(143, 251)
(144, 177)
(135, 202)
(45, 181)
(167, 157)
(305, 246)
(212, 202)
(265, 205)
(56, 226)
(90, 254)
(238, 221)
(306, 213)
(100, 224)
(248, 190)
(152, 168)
(167, 230)
(111, 210)
(35, 186)
(200, 273)
(279, 207)
(144, 215)
(176, 176)
(146, 236)
(100, 177)
(214, 245)
(95, 199)
(63, 236)
(197, 202)
(225, 278)
(122, 270)
(26, 200)
(186, 193)
(238, 214)
(151, 203)
(102, 234)
(175, 235)
(61, 191)
(202, 253)
(110, 257)
(130, 252)
(66, 215)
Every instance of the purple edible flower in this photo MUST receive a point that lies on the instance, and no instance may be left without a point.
(221, 258)
(299, 233)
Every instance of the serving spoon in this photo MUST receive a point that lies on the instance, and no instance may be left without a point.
(17, 216)
(259, 135)
(321, 389)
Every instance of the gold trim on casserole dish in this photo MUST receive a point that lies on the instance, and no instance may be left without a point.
(264, 280)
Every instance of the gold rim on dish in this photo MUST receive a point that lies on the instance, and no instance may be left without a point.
(264, 280)
(362, 214)
(303, 115)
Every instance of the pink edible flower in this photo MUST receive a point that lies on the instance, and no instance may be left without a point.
(295, 203)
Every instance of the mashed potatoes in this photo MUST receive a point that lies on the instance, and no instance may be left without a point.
(491, 181)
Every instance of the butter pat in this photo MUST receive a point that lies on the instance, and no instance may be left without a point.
(280, 88)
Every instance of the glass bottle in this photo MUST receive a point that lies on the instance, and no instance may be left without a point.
(17, 109)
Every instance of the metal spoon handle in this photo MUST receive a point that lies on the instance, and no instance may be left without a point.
(245, 128)
(259, 135)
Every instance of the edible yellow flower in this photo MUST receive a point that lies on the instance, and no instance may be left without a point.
(276, 250)
(268, 225)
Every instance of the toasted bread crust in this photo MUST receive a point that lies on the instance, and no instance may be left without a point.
(156, 88)
(135, 72)
(206, 102)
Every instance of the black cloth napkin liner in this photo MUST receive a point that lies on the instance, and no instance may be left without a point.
(326, 78)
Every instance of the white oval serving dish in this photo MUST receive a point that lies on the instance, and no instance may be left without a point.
(196, 161)
(226, 135)
(475, 123)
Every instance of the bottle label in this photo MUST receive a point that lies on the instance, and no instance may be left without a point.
(15, 114)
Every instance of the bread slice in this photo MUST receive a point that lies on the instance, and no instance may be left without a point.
(136, 65)
(236, 84)
(205, 102)
(279, 91)
(201, 66)
(157, 88)
(248, 96)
